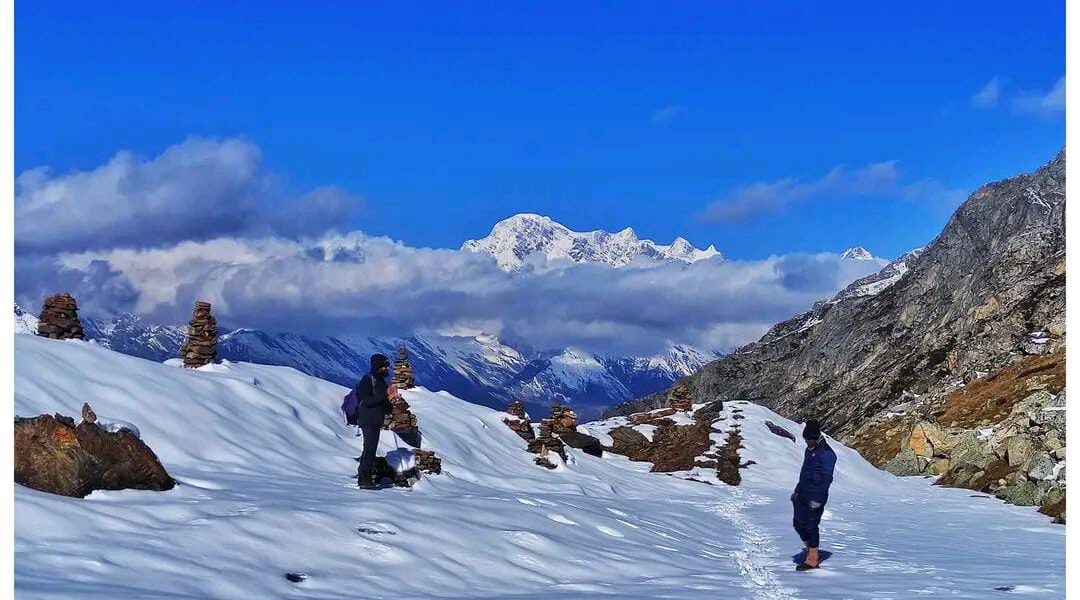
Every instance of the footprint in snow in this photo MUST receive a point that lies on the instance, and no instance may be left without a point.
(560, 519)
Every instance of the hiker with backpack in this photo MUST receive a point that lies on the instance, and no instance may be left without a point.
(368, 408)
(812, 492)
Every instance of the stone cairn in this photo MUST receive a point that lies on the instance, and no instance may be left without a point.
(59, 319)
(200, 347)
(403, 374)
(401, 417)
(562, 420)
(427, 462)
(519, 421)
(680, 398)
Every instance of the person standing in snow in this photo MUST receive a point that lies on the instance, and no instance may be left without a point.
(374, 406)
(812, 491)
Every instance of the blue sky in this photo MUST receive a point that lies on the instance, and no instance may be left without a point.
(601, 115)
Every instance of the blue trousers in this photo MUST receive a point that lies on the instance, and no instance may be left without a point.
(806, 521)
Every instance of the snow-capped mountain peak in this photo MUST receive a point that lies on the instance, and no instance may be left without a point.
(857, 253)
(537, 240)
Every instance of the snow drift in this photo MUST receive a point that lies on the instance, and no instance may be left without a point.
(266, 487)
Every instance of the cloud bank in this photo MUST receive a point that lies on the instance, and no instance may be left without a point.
(283, 269)
(875, 180)
(199, 189)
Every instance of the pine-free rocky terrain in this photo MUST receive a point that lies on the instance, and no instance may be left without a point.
(950, 361)
(266, 506)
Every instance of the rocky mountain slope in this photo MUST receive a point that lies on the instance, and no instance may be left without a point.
(908, 345)
(480, 368)
(528, 240)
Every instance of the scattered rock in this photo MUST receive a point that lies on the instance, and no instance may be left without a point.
(59, 318)
(296, 577)
(780, 431)
(200, 346)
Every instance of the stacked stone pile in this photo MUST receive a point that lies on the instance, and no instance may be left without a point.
(403, 374)
(401, 417)
(59, 319)
(200, 347)
(427, 462)
(519, 421)
(681, 398)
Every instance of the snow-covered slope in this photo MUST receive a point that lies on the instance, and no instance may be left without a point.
(25, 323)
(528, 240)
(266, 487)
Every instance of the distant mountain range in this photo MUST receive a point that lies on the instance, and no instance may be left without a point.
(481, 369)
(527, 240)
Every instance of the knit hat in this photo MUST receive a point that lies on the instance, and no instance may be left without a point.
(379, 360)
(812, 431)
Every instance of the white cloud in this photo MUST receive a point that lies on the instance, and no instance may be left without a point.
(883, 179)
(202, 221)
(371, 285)
(1042, 103)
(989, 96)
(198, 189)
(668, 113)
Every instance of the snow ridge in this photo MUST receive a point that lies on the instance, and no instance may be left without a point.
(528, 241)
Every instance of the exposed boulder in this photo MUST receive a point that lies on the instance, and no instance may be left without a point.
(54, 455)
(629, 442)
(586, 443)
(200, 345)
(59, 318)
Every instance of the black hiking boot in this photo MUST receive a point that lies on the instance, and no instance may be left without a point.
(806, 567)
(365, 483)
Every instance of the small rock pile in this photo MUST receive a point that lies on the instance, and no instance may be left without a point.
(200, 347)
(427, 462)
(680, 398)
(562, 420)
(519, 421)
(59, 319)
(403, 374)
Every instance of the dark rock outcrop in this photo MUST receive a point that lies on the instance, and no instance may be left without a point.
(780, 431)
(54, 455)
(584, 442)
(200, 345)
(59, 318)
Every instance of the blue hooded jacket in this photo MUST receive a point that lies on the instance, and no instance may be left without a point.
(817, 473)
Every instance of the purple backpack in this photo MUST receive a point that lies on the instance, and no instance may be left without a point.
(351, 406)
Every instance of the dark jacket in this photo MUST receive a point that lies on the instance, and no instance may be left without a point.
(374, 401)
(816, 474)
